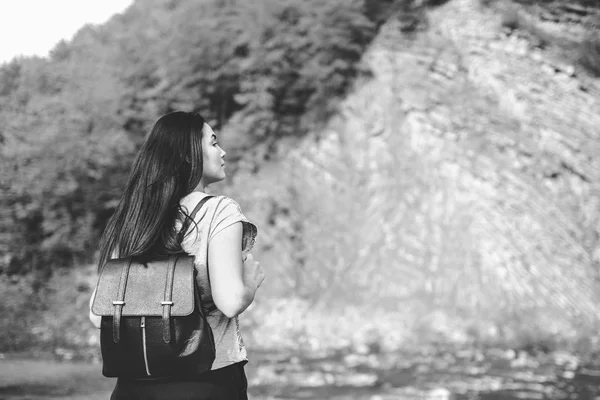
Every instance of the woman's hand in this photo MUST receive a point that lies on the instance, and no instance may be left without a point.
(252, 273)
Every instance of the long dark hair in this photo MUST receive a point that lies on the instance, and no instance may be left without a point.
(167, 168)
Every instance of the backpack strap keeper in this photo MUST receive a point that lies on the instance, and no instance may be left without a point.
(120, 301)
(167, 303)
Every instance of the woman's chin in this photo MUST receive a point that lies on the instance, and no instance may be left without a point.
(220, 178)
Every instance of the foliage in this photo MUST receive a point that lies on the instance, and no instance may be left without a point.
(17, 312)
(71, 123)
(60, 144)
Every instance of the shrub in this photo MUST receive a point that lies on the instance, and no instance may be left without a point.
(16, 314)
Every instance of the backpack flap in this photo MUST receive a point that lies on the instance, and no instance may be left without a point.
(161, 287)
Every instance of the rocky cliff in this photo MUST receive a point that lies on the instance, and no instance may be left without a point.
(463, 176)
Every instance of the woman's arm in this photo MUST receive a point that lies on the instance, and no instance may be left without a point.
(233, 282)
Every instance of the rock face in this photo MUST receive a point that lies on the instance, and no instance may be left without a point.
(470, 162)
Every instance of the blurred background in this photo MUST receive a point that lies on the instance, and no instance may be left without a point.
(424, 175)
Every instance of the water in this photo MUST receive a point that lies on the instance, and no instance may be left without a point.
(460, 375)
(434, 375)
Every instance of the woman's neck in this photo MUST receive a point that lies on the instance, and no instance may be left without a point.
(200, 188)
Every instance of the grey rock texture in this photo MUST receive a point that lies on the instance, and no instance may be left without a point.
(472, 157)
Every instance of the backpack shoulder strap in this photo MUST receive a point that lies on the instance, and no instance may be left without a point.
(199, 206)
(192, 216)
(189, 220)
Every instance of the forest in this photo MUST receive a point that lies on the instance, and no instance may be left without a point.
(72, 122)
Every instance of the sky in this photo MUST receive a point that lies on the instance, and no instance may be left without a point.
(33, 27)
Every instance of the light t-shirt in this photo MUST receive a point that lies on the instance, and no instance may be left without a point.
(215, 215)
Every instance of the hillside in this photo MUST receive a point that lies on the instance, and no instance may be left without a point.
(430, 174)
(72, 122)
(457, 188)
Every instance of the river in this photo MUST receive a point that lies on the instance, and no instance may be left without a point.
(492, 374)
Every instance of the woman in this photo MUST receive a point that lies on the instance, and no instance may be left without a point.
(176, 163)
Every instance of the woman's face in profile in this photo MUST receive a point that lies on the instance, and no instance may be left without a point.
(213, 167)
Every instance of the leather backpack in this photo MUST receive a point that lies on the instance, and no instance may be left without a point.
(153, 323)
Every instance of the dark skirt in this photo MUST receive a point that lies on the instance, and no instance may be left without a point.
(228, 383)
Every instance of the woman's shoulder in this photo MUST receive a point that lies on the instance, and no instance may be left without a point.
(228, 202)
(218, 203)
(228, 211)
(192, 199)
(196, 196)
